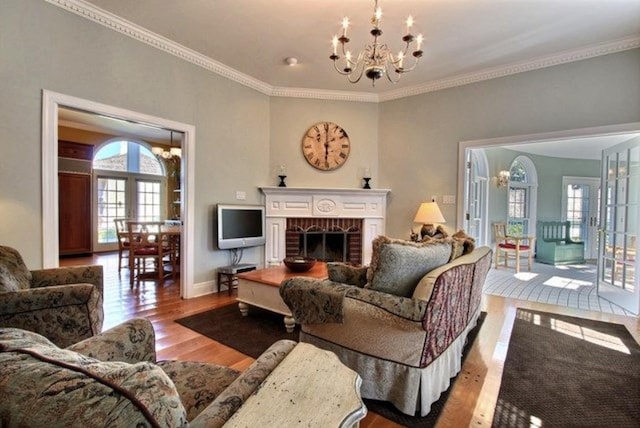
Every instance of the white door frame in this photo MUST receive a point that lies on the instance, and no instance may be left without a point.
(590, 250)
(51, 101)
(463, 146)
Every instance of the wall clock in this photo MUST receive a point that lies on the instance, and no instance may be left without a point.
(326, 146)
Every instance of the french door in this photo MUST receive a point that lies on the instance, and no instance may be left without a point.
(132, 196)
(580, 203)
(619, 214)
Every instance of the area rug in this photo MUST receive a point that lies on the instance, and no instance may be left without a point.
(253, 334)
(563, 371)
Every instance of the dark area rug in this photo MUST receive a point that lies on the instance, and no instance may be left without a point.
(562, 371)
(253, 334)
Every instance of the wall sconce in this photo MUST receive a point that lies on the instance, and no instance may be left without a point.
(502, 180)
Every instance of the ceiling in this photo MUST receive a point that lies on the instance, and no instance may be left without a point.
(462, 37)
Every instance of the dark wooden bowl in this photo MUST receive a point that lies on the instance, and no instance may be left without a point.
(299, 263)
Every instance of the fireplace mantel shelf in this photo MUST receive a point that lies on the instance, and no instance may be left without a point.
(270, 190)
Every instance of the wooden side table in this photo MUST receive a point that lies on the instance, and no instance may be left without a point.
(227, 275)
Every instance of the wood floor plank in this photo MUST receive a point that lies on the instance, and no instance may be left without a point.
(473, 397)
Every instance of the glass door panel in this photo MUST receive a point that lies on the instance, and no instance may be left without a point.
(620, 210)
(581, 199)
(112, 203)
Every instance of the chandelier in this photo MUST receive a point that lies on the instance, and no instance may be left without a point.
(376, 60)
(168, 154)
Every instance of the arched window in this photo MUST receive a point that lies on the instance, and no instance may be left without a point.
(130, 183)
(127, 156)
(523, 191)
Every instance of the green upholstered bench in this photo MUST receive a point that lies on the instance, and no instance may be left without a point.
(555, 247)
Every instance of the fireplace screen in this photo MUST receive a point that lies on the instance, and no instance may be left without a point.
(331, 240)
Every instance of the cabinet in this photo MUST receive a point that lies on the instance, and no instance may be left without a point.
(74, 213)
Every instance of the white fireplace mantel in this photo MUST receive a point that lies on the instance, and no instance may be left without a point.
(285, 202)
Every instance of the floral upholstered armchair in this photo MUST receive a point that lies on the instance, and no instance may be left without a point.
(401, 323)
(113, 379)
(62, 304)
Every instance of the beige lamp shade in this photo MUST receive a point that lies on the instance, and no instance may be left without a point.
(428, 214)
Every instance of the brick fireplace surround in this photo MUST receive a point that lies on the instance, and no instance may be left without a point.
(316, 209)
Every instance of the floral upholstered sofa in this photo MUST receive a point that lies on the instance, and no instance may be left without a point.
(401, 322)
(62, 304)
(113, 379)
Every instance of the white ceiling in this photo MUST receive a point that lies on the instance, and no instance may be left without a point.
(461, 36)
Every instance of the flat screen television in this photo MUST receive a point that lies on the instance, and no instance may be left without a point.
(240, 226)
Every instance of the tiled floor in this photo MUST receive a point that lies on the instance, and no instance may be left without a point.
(572, 285)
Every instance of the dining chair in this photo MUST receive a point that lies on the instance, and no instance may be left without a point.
(512, 246)
(146, 244)
(123, 240)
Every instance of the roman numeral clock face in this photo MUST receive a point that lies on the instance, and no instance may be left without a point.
(326, 146)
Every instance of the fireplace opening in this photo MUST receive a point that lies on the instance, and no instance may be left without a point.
(331, 240)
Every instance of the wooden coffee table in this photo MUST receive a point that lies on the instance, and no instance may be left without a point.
(260, 288)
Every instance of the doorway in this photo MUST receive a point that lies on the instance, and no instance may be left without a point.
(580, 202)
(51, 103)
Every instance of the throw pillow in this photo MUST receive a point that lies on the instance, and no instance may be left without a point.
(347, 274)
(398, 265)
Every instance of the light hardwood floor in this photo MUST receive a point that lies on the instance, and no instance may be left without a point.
(471, 402)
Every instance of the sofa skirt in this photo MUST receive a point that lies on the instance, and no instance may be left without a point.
(411, 390)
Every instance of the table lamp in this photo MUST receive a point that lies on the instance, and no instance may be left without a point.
(428, 214)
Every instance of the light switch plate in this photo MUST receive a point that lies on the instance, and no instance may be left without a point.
(241, 196)
(449, 199)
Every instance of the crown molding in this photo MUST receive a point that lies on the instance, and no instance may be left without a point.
(116, 23)
(565, 57)
(323, 94)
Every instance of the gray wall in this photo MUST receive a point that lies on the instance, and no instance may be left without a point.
(290, 119)
(550, 171)
(410, 144)
(45, 47)
(419, 135)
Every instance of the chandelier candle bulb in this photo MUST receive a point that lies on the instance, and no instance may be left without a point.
(345, 25)
(419, 42)
(335, 45)
(409, 24)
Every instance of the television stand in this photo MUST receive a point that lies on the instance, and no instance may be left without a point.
(227, 275)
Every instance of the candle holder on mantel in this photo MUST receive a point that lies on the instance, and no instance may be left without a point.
(366, 183)
(282, 183)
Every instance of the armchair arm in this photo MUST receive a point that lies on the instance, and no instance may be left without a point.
(35, 299)
(64, 314)
(131, 342)
(90, 274)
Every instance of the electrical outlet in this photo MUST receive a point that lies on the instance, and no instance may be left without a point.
(241, 196)
(434, 198)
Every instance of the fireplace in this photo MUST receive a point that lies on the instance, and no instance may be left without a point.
(327, 239)
(328, 224)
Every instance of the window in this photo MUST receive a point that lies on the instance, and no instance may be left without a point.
(127, 156)
(522, 197)
(129, 184)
